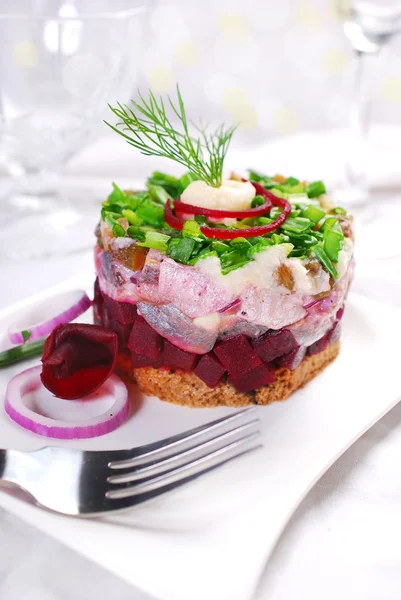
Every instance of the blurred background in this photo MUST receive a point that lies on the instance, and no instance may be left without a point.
(278, 66)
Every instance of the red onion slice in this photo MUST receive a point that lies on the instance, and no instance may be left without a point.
(42, 424)
(40, 319)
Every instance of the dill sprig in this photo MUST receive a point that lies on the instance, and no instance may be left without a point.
(148, 127)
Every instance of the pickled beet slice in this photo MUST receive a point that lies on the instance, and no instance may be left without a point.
(124, 312)
(293, 359)
(273, 344)
(253, 380)
(237, 355)
(177, 358)
(210, 370)
(144, 340)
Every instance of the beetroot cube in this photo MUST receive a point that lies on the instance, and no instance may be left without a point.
(177, 358)
(273, 344)
(139, 362)
(293, 359)
(237, 355)
(124, 312)
(144, 340)
(262, 375)
(209, 370)
(123, 332)
(97, 294)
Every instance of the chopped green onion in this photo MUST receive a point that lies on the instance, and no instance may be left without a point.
(332, 243)
(291, 181)
(186, 179)
(151, 213)
(136, 233)
(117, 195)
(202, 254)
(313, 213)
(132, 217)
(228, 269)
(297, 225)
(159, 193)
(325, 261)
(297, 198)
(168, 182)
(315, 189)
(26, 334)
(191, 229)
(22, 352)
(156, 240)
(339, 211)
(302, 240)
(297, 253)
(180, 250)
(241, 241)
(257, 201)
(220, 247)
(117, 229)
(113, 207)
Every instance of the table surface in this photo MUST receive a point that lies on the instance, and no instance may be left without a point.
(343, 541)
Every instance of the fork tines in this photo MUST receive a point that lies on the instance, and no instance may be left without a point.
(180, 458)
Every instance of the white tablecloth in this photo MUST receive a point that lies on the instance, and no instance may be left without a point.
(343, 541)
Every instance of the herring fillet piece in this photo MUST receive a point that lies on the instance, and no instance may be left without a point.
(176, 327)
(195, 294)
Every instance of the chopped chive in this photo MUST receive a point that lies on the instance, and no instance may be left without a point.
(117, 195)
(315, 189)
(136, 233)
(156, 240)
(325, 261)
(23, 352)
(313, 213)
(339, 211)
(291, 181)
(297, 225)
(117, 229)
(180, 250)
(257, 201)
(159, 193)
(151, 213)
(131, 217)
(191, 229)
(332, 243)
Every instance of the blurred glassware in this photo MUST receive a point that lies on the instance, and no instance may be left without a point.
(368, 25)
(60, 64)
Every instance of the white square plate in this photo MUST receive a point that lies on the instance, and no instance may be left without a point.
(214, 535)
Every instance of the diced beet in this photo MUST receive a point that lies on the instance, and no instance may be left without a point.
(340, 313)
(139, 362)
(329, 338)
(273, 344)
(209, 369)
(237, 355)
(97, 294)
(177, 358)
(262, 375)
(293, 359)
(124, 312)
(144, 340)
(123, 332)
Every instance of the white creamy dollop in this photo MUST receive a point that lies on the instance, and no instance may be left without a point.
(230, 195)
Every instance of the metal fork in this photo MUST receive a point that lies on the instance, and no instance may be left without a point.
(89, 483)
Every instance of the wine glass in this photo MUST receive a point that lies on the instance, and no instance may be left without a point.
(368, 25)
(61, 62)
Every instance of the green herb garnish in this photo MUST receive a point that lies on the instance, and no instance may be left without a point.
(148, 126)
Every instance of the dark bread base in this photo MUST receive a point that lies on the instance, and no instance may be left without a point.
(187, 389)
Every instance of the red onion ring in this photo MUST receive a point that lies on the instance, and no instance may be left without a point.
(229, 234)
(234, 304)
(41, 318)
(29, 381)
